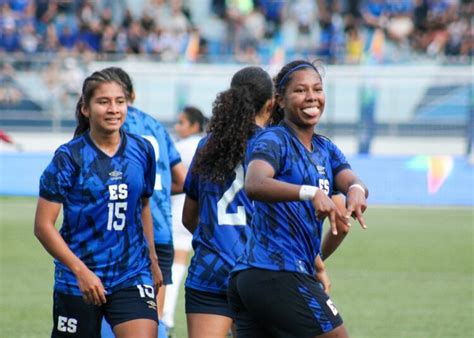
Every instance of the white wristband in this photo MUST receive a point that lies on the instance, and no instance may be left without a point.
(358, 186)
(307, 192)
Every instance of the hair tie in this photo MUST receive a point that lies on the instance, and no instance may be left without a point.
(295, 68)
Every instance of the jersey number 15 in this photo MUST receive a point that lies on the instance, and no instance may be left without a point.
(117, 207)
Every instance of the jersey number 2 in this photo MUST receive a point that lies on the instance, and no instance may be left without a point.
(238, 218)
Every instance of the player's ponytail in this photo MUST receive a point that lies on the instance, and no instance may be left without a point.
(82, 121)
(232, 124)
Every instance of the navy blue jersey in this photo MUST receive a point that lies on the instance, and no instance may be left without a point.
(167, 156)
(287, 235)
(101, 197)
(224, 215)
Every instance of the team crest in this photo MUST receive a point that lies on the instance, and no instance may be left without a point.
(116, 175)
(151, 304)
(321, 170)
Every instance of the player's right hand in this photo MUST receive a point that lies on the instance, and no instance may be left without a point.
(325, 207)
(93, 292)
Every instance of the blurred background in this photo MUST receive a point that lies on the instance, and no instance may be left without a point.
(397, 74)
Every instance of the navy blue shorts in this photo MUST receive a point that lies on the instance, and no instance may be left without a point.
(165, 253)
(280, 304)
(197, 301)
(73, 317)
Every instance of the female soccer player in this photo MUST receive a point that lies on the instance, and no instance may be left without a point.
(104, 253)
(216, 209)
(170, 174)
(189, 127)
(291, 176)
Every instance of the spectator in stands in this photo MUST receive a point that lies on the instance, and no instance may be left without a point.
(10, 40)
(50, 44)
(374, 14)
(354, 45)
(67, 38)
(30, 41)
(10, 94)
(305, 27)
(273, 12)
(250, 36)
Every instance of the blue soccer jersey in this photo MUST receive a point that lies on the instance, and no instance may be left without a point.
(167, 156)
(287, 236)
(101, 197)
(224, 215)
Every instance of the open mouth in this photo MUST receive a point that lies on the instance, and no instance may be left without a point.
(311, 112)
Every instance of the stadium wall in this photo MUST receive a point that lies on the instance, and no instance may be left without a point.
(434, 180)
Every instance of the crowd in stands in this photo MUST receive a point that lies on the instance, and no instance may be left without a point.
(237, 30)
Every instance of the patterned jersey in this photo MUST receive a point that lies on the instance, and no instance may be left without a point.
(167, 157)
(287, 236)
(102, 209)
(224, 215)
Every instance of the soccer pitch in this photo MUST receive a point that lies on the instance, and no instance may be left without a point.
(410, 274)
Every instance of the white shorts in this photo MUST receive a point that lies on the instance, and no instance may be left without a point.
(182, 238)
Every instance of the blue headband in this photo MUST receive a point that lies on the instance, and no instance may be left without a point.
(295, 68)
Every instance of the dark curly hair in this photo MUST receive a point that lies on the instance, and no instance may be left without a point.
(281, 80)
(88, 88)
(232, 123)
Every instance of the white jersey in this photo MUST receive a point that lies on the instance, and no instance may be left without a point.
(181, 236)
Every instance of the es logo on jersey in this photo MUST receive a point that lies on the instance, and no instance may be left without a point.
(115, 175)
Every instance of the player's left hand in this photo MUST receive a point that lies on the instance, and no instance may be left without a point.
(157, 276)
(321, 274)
(356, 205)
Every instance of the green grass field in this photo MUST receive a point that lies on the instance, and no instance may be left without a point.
(410, 274)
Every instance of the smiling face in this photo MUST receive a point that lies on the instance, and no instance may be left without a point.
(107, 108)
(303, 99)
